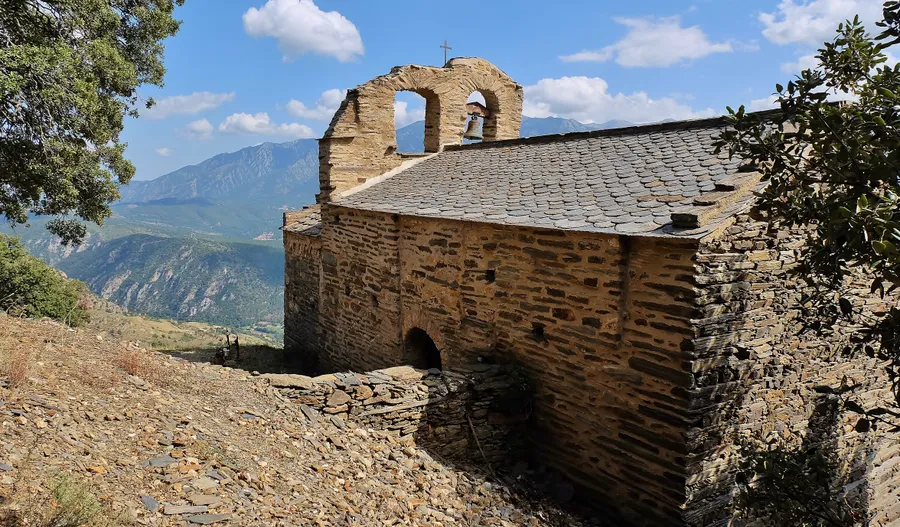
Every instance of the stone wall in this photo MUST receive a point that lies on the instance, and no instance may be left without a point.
(360, 291)
(474, 414)
(361, 141)
(597, 321)
(649, 358)
(302, 268)
(755, 371)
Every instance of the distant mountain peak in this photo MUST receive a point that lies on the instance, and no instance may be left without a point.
(289, 172)
(281, 171)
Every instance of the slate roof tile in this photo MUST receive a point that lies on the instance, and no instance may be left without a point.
(307, 221)
(617, 181)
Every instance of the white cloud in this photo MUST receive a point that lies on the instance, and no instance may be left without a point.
(587, 99)
(814, 22)
(806, 62)
(654, 42)
(301, 27)
(476, 96)
(324, 108)
(766, 103)
(590, 56)
(188, 104)
(164, 151)
(260, 123)
(200, 129)
(810, 62)
(403, 115)
(891, 59)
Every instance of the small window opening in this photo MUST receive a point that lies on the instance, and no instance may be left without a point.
(537, 332)
(490, 275)
(374, 300)
(421, 351)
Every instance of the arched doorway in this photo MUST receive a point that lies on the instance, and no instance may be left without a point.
(421, 351)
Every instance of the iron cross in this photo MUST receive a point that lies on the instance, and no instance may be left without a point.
(445, 48)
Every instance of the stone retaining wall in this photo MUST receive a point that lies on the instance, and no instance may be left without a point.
(439, 409)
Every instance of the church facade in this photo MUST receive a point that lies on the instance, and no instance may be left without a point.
(625, 270)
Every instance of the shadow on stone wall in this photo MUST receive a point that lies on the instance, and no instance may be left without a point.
(475, 419)
(816, 483)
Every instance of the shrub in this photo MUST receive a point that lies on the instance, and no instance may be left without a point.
(32, 288)
(71, 503)
(15, 367)
(76, 505)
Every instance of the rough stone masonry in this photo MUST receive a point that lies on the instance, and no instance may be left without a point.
(464, 415)
(623, 270)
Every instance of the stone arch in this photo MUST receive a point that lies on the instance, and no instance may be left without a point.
(418, 320)
(420, 350)
(432, 119)
(360, 142)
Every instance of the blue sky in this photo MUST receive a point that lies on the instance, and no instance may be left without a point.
(241, 72)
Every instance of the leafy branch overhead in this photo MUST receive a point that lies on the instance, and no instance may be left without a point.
(69, 73)
(834, 168)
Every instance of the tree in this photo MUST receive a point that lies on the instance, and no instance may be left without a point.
(69, 74)
(31, 288)
(835, 169)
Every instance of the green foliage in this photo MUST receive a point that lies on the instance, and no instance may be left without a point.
(30, 287)
(69, 73)
(835, 166)
(791, 488)
(835, 169)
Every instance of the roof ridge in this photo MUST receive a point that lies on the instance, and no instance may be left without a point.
(606, 132)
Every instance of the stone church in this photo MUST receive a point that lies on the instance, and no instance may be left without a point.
(624, 269)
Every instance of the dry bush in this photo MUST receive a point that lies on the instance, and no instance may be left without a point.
(15, 367)
(131, 361)
(140, 363)
(71, 504)
(85, 301)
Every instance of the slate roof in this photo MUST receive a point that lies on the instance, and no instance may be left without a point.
(306, 221)
(627, 181)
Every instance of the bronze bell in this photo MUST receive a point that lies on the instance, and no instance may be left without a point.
(473, 129)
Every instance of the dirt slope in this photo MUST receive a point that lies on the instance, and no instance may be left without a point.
(181, 443)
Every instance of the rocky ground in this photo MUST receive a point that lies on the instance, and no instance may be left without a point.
(151, 439)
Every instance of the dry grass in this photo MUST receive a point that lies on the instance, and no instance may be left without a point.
(162, 334)
(131, 361)
(70, 503)
(15, 366)
(143, 364)
(100, 377)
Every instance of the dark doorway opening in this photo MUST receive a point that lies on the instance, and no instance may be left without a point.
(421, 351)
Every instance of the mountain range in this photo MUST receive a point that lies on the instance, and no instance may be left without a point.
(288, 172)
(202, 243)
